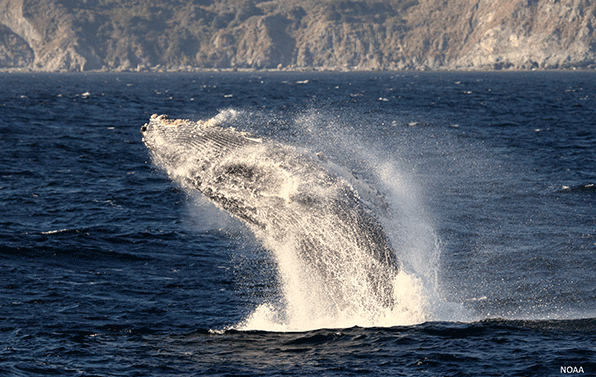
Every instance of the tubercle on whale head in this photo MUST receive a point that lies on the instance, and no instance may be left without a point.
(164, 120)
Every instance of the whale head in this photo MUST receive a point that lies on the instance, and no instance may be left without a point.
(180, 143)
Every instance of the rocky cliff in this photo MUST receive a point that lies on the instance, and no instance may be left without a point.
(139, 35)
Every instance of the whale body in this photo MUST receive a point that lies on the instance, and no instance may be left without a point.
(286, 197)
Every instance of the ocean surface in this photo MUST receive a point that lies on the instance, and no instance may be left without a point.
(108, 268)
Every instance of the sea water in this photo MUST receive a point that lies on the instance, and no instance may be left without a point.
(109, 268)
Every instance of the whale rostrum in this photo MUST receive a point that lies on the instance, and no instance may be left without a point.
(288, 198)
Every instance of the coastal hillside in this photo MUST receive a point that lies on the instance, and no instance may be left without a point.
(157, 35)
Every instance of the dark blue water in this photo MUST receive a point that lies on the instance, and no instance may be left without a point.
(110, 269)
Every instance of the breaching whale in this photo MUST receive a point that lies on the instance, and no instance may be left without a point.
(286, 197)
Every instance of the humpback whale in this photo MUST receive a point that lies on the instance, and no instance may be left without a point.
(286, 197)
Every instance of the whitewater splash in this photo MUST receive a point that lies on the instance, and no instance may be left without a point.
(324, 227)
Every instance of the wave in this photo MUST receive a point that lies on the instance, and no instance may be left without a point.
(587, 188)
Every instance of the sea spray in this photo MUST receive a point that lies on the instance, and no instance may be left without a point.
(332, 266)
(302, 312)
(395, 194)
